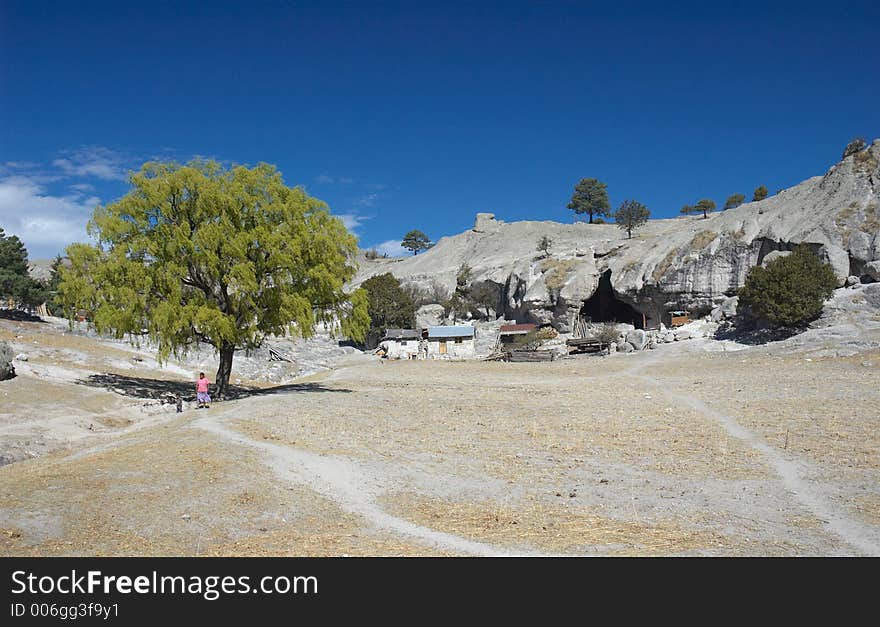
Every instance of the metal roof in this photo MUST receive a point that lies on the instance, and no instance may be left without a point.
(517, 328)
(459, 331)
(402, 334)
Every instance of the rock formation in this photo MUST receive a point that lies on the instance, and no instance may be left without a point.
(686, 263)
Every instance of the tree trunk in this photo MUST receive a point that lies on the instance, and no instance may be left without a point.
(227, 352)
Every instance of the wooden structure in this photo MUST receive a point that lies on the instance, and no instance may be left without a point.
(274, 355)
(678, 318)
(586, 345)
(517, 355)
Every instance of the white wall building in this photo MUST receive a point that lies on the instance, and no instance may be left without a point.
(456, 342)
(401, 343)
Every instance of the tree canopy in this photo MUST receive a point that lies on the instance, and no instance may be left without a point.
(790, 290)
(631, 215)
(15, 279)
(704, 206)
(389, 307)
(416, 241)
(733, 201)
(204, 254)
(590, 197)
(458, 304)
(760, 193)
(486, 295)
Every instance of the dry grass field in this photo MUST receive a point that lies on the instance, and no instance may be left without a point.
(675, 451)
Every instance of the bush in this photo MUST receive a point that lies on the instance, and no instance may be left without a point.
(7, 370)
(855, 145)
(608, 333)
(530, 341)
(790, 291)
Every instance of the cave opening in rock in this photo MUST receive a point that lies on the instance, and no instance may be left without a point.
(605, 306)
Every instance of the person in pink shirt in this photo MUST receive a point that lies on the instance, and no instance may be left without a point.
(202, 391)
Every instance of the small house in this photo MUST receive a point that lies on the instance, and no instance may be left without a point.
(510, 332)
(400, 343)
(451, 342)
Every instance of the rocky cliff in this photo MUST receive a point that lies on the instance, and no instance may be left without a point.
(682, 263)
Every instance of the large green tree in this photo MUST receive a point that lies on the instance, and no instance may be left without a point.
(205, 254)
(16, 283)
(631, 215)
(790, 291)
(590, 197)
(416, 241)
(389, 305)
(760, 193)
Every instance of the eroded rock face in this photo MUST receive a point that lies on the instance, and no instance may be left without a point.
(7, 370)
(687, 263)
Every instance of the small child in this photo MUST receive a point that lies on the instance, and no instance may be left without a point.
(202, 391)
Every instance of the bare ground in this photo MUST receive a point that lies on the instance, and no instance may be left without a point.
(676, 451)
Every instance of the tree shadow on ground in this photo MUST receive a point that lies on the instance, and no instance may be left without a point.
(19, 316)
(163, 389)
(755, 336)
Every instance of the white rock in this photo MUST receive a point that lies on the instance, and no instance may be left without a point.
(637, 338)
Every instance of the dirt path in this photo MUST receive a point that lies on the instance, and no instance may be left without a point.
(354, 488)
(791, 472)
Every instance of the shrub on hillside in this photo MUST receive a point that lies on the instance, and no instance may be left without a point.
(790, 291)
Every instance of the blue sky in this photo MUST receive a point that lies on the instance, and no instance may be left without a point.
(412, 115)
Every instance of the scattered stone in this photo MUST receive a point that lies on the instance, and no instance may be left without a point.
(624, 347)
(852, 280)
(637, 338)
(186, 517)
(729, 305)
(872, 270)
(21, 357)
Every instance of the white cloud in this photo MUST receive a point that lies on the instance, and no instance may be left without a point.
(352, 221)
(83, 187)
(93, 162)
(368, 200)
(45, 223)
(391, 247)
(323, 179)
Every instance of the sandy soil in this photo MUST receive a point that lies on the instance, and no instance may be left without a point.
(676, 451)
